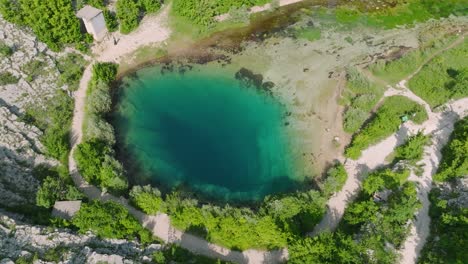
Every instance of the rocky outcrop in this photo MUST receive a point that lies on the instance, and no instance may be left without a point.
(18, 239)
(20, 150)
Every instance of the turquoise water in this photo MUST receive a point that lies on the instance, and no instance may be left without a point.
(202, 129)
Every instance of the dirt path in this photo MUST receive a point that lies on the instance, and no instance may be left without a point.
(257, 9)
(152, 30)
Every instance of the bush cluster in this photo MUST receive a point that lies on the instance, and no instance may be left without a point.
(454, 163)
(361, 96)
(202, 13)
(445, 77)
(71, 68)
(56, 185)
(386, 121)
(377, 223)
(278, 219)
(53, 22)
(5, 50)
(95, 156)
(412, 150)
(8, 78)
(129, 12)
(110, 220)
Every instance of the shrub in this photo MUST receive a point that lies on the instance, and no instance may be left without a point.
(386, 121)
(353, 119)
(53, 22)
(412, 150)
(98, 99)
(111, 20)
(445, 77)
(89, 157)
(454, 163)
(109, 220)
(96, 128)
(104, 72)
(336, 178)
(5, 50)
(128, 15)
(149, 6)
(147, 199)
(71, 68)
(7, 78)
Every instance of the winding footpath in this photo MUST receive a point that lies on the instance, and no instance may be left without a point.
(154, 30)
(439, 126)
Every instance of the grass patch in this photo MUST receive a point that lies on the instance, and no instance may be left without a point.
(110, 220)
(309, 34)
(445, 77)
(8, 78)
(401, 68)
(454, 163)
(5, 50)
(385, 122)
(71, 68)
(360, 97)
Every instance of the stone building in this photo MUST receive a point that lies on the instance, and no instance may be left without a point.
(93, 20)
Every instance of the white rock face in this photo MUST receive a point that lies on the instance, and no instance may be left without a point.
(19, 239)
(20, 149)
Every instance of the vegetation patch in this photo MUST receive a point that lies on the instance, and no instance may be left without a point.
(8, 78)
(445, 77)
(56, 185)
(176, 254)
(360, 96)
(42, 17)
(71, 68)
(5, 50)
(279, 219)
(378, 219)
(400, 68)
(110, 220)
(385, 122)
(129, 12)
(454, 163)
(95, 156)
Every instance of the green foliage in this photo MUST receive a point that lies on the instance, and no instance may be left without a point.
(201, 13)
(5, 50)
(110, 220)
(412, 150)
(178, 255)
(71, 68)
(53, 22)
(8, 78)
(95, 156)
(105, 72)
(386, 121)
(445, 77)
(54, 120)
(362, 96)
(454, 163)
(33, 69)
(55, 189)
(326, 248)
(149, 6)
(128, 15)
(146, 198)
(448, 240)
(384, 179)
(336, 178)
(309, 34)
(403, 13)
(111, 20)
(400, 68)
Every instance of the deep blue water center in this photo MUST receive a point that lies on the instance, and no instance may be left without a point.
(205, 130)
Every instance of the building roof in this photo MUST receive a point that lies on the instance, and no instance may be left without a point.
(88, 12)
(66, 209)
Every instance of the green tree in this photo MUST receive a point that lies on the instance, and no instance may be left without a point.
(128, 15)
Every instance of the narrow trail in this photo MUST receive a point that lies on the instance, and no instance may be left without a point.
(152, 30)
(439, 125)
